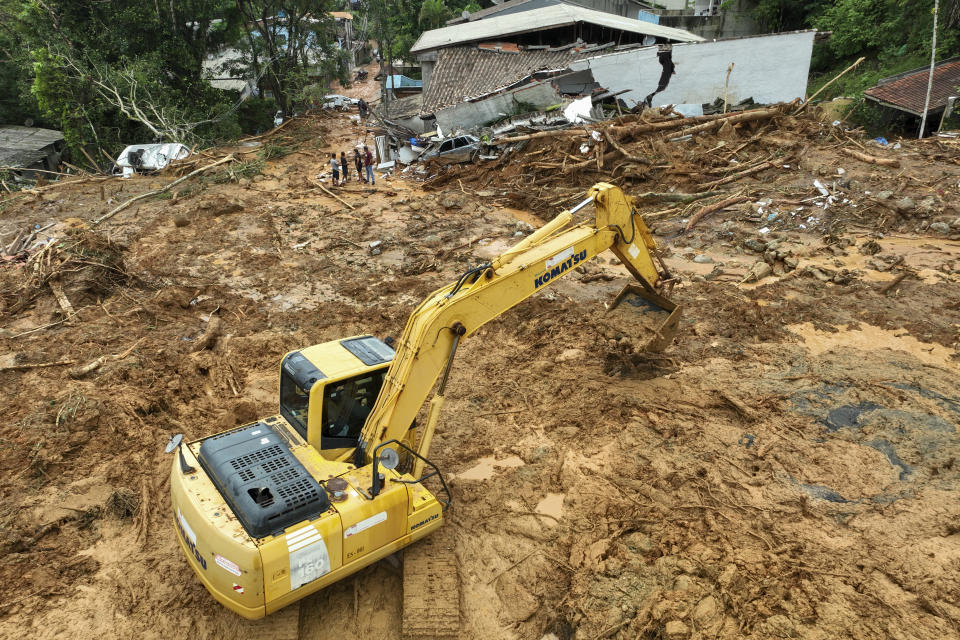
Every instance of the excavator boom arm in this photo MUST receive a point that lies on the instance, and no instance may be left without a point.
(483, 294)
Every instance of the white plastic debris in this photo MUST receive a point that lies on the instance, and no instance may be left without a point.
(764, 230)
(579, 110)
(822, 189)
(584, 148)
(595, 135)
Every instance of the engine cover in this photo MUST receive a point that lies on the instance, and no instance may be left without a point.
(263, 482)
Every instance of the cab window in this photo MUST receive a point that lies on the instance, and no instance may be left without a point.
(346, 405)
(294, 403)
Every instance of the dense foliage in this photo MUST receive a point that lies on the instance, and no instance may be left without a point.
(894, 35)
(127, 71)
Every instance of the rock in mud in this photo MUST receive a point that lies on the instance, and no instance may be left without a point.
(569, 355)
(870, 248)
(180, 220)
(702, 259)
(219, 207)
(905, 205)
(940, 227)
(927, 207)
(759, 271)
(757, 246)
(452, 201)
(706, 611)
(676, 630)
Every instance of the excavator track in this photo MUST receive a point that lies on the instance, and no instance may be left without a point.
(282, 625)
(431, 588)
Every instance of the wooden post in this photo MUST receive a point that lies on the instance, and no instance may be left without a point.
(933, 59)
(726, 87)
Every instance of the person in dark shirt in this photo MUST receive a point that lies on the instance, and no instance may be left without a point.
(344, 166)
(358, 163)
(368, 163)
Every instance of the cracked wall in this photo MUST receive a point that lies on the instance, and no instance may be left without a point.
(769, 69)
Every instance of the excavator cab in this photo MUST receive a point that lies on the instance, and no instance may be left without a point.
(328, 390)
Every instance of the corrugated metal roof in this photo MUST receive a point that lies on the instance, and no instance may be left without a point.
(23, 146)
(908, 91)
(538, 20)
(467, 73)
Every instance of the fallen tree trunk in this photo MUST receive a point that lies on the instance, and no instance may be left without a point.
(626, 154)
(737, 176)
(627, 129)
(126, 204)
(746, 116)
(712, 208)
(676, 197)
(863, 157)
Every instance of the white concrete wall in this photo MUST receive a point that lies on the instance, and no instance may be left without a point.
(769, 69)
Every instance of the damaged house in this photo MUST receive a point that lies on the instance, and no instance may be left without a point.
(478, 72)
(905, 94)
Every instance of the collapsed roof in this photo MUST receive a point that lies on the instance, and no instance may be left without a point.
(25, 146)
(463, 74)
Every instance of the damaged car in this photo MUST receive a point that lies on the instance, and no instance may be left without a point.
(454, 150)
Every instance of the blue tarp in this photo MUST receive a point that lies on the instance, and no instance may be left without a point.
(646, 16)
(403, 82)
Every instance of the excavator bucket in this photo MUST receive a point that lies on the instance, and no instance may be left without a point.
(645, 316)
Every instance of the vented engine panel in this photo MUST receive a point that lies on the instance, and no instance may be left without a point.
(260, 478)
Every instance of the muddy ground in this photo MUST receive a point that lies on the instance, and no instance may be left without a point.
(787, 469)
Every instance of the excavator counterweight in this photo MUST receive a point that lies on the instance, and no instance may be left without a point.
(271, 511)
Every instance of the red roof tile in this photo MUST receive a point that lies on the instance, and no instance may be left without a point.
(908, 91)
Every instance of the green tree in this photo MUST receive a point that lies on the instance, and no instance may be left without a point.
(292, 43)
(433, 13)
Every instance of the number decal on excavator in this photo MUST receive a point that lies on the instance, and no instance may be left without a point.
(558, 264)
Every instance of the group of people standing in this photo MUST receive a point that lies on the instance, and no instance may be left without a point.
(361, 161)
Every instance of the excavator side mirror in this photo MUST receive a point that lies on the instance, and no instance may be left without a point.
(174, 445)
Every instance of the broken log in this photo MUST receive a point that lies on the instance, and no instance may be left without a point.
(39, 365)
(571, 168)
(893, 284)
(61, 297)
(629, 156)
(79, 372)
(126, 204)
(628, 129)
(712, 208)
(863, 157)
(744, 116)
(837, 77)
(737, 176)
(209, 336)
(676, 197)
(334, 196)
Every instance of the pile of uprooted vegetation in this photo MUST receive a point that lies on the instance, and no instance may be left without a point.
(79, 268)
(699, 165)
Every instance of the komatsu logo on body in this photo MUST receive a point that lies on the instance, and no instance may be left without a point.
(558, 264)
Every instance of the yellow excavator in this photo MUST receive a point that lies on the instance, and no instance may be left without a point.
(270, 512)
